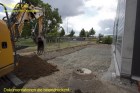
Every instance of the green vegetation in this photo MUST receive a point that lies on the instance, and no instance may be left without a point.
(26, 32)
(107, 40)
(25, 42)
(51, 20)
(49, 46)
(71, 33)
(104, 39)
(82, 33)
(55, 46)
(62, 33)
(34, 2)
(91, 32)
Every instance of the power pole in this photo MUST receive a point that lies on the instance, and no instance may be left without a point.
(67, 26)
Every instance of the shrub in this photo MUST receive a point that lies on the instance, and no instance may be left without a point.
(107, 40)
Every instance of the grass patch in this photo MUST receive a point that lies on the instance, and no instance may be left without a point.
(55, 46)
(49, 46)
(26, 42)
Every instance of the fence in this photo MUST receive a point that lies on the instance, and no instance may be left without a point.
(67, 39)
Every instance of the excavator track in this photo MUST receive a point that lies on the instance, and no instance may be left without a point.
(10, 81)
(5, 83)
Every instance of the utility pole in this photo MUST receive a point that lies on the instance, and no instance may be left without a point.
(67, 27)
(68, 31)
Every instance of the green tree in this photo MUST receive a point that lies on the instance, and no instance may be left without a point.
(82, 33)
(71, 33)
(92, 32)
(53, 33)
(26, 31)
(34, 2)
(52, 19)
(62, 33)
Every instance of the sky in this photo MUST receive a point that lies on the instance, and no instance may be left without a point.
(78, 14)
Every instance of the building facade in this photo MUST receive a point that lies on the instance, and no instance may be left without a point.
(126, 46)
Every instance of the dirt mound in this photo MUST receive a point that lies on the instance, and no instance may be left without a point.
(33, 67)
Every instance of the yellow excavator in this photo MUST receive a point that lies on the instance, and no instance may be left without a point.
(11, 29)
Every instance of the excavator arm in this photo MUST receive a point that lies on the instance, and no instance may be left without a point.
(11, 28)
(27, 14)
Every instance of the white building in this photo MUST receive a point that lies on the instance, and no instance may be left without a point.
(127, 39)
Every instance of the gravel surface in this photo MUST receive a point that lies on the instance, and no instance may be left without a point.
(61, 52)
(97, 58)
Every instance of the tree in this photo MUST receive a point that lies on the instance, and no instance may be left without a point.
(53, 33)
(91, 32)
(52, 19)
(71, 33)
(82, 33)
(26, 31)
(62, 33)
(34, 2)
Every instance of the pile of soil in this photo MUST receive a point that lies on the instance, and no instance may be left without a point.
(33, 67)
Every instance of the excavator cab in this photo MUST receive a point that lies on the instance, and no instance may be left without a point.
(6, 50)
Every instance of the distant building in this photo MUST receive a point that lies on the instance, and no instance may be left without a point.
(126, 48)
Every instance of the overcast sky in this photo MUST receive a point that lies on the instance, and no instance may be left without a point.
(78, 14)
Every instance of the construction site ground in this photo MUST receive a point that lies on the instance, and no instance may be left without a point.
(96, 57)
